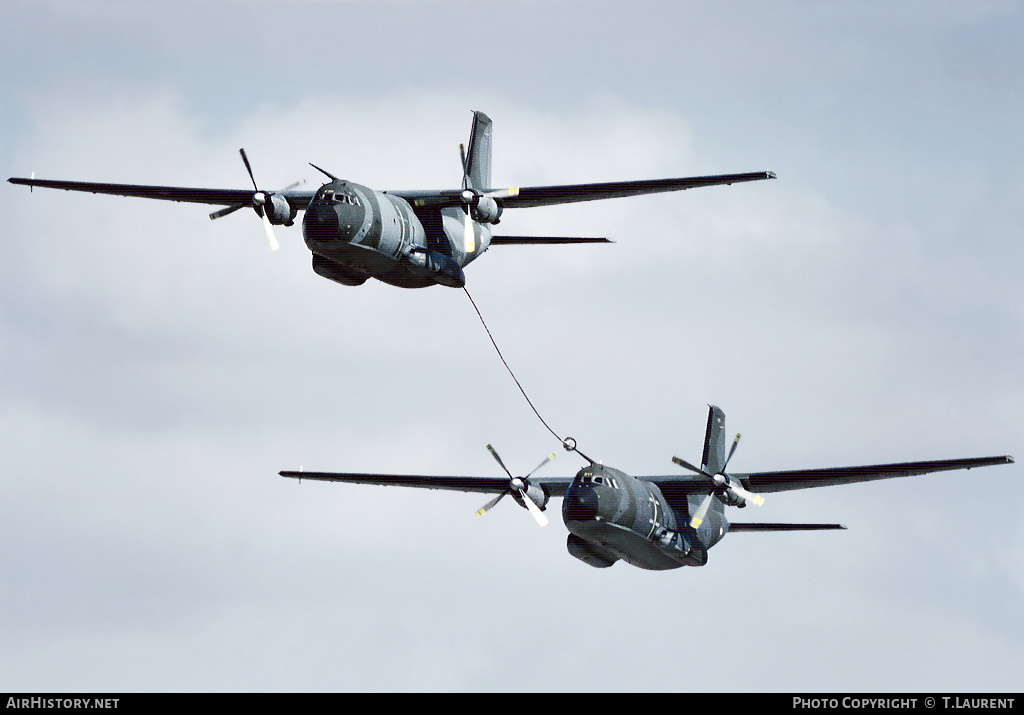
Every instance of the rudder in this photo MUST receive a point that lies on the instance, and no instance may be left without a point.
(713, 460)
(478, 153)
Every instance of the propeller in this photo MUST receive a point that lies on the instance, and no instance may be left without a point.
(520, 485)
(259, 200)
(471, 199)
(720, 482)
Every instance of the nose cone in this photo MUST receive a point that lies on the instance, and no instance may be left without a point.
(321, 223)
(333, 221)
(580, 505)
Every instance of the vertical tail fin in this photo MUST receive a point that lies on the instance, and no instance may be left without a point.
(713, 460)
(478, 154)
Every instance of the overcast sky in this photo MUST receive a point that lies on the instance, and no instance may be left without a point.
(159, 369)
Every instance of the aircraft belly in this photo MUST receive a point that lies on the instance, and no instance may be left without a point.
(359, 257)
(403, 279)
(625, 543)
(374, 265)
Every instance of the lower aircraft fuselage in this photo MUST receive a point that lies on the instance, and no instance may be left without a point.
(611, 515)
(356, 233)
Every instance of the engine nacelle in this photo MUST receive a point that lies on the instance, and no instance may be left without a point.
(487, 210)
(278, 210)
(731, 498)
(536, 494)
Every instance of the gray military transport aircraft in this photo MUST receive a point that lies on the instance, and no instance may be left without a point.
(660, 522)
(410, 239)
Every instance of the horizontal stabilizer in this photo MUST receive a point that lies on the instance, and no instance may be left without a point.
(541, 240)
(784, 527)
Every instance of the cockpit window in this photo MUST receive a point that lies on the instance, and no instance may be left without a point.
(329, 193)
(599, 480)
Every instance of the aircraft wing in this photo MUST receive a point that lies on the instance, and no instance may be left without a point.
(554, 486)
(763, 482)
(525, 197)
(509, 198)
(221, 197)
(571, 193)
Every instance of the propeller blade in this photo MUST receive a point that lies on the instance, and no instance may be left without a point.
(465, 175)
(274, 245)
(534, 509)
(546, 460)
(248, 168)
(498, 459)
(732, 450)
(228, 210)
(490, 505)
(470, 234)
(686, 465)
(702, 511)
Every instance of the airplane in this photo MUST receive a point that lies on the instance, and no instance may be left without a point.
(655, 522)
(410, 239)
